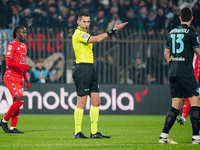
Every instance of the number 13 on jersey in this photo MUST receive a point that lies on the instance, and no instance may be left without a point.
(177, 43)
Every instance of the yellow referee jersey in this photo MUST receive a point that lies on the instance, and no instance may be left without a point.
(82, 49)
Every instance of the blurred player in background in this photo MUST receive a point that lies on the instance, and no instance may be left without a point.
(15, 77)
(186, 106)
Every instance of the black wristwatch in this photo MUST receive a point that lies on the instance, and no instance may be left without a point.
(114, 30)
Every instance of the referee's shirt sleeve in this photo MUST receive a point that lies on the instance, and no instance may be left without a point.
(195, 40)
(84, 37)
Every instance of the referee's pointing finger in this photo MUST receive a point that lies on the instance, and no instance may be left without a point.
(120, 26)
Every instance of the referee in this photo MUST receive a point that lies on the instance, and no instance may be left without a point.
(84, 74)
(182, 42)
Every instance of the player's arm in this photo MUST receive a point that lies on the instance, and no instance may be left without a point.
(197, 51)
(195, 43)
(10, 63)
(103, 36)
(27, 85)
(167, 54)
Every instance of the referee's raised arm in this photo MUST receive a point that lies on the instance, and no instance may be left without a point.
(103, 36)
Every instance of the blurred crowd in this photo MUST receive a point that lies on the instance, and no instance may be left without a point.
(140, 62)
(142, 15)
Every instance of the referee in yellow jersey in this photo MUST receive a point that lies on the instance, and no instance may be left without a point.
(84, 74)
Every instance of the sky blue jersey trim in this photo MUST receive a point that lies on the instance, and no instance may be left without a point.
(196, 46)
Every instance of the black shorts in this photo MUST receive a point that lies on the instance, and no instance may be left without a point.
(183, 87)
(85, 79)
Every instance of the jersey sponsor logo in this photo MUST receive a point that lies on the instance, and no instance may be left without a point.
(9, 47)
(176, 58)
(8, 53)
(85, 36)
(87, 89)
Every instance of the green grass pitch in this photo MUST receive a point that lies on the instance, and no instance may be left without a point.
(131, 132)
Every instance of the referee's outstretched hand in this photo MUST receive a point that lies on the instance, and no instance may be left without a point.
(120, 26)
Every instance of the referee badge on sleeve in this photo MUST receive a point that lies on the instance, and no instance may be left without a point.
(85, 36)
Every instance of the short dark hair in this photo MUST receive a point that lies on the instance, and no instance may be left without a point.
(40, 60)
(186, 14)
(86, 14)
(16, 29)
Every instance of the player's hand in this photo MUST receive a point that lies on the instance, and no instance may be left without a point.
(41, 77)
(27, 85)
(29, 67)
(120, 26)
